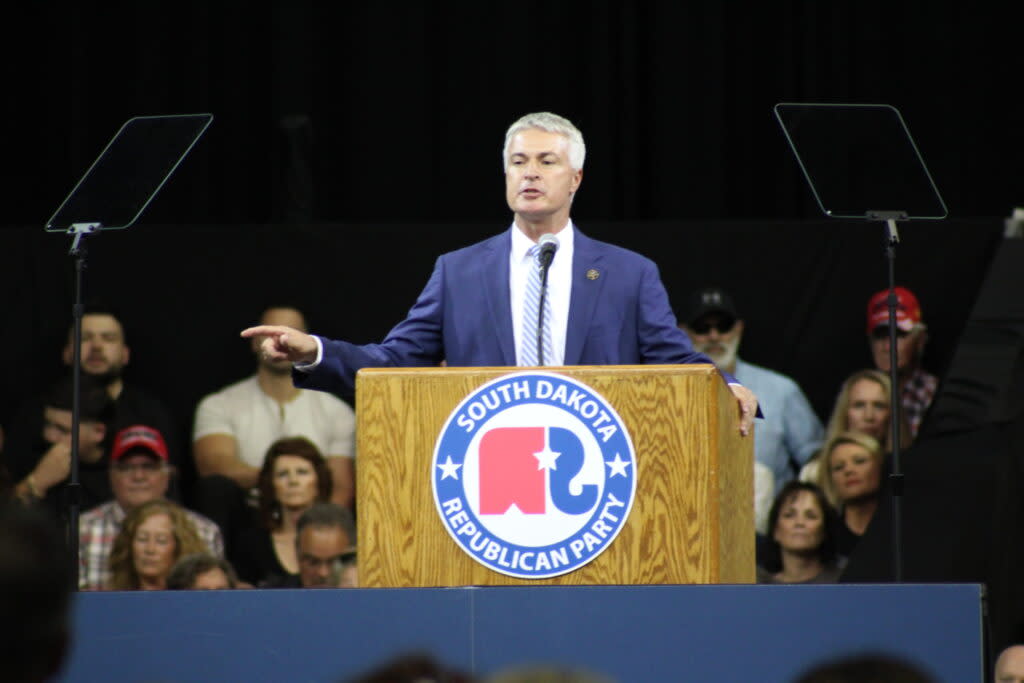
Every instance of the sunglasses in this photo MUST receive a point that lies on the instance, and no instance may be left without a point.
(705, 325)
(338, 560)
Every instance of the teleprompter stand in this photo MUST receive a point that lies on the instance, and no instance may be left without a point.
(112, 194)
(861, 163)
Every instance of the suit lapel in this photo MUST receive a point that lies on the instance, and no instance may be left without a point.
(494, 275)
(588, 280)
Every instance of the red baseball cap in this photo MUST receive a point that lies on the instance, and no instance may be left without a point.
(908, 310)
(139, 437)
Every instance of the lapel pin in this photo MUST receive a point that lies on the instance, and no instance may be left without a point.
(593, 274)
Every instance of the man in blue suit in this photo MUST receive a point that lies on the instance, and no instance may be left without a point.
(607, 305)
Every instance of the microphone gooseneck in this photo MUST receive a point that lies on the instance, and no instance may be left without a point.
(548, 246)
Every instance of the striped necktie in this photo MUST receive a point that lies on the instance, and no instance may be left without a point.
(531, 304)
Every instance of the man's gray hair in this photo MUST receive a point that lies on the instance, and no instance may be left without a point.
(327, 515)
(552, 123)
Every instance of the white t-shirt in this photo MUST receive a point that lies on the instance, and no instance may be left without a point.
(256, 420)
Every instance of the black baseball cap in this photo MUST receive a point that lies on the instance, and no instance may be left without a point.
(709, 300)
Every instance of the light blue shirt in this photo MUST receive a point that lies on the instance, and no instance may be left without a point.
(790, 429)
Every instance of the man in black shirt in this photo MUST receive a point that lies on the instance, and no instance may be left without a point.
(42, 473)
(105, 354)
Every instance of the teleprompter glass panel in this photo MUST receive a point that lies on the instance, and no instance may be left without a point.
(129, 172)
(860, 160)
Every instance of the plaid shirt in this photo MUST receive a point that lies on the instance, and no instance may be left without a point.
(99, 527)
(918, 392)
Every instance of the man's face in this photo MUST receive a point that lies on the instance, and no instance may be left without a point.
(909, 346)
(539, 182)
(104, 353)
(278, 316)
(138, 478)
(57, 429)
(717, 335)
(1010, 665)
(320, 556)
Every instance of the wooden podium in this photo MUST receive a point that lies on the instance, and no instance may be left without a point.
(692, 520)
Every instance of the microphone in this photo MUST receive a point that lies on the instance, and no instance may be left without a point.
(548, 246)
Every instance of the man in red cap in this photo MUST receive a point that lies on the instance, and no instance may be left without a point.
(917, 386)
(140, 471)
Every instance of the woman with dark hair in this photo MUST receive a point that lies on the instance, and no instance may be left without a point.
(293, 477)
(152, 538)
(801, 546)
(851, 477)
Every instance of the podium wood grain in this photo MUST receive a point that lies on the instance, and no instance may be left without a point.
(692, 519)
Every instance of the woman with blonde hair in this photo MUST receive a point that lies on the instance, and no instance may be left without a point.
(152, 538)
(851, 477)
(864, 405)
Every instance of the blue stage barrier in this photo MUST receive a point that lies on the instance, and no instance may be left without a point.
(630, 633)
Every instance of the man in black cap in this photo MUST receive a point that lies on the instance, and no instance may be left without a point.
(790, 432)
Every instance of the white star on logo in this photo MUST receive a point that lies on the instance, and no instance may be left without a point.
(546, 459)
(450, 469)
(618, 466)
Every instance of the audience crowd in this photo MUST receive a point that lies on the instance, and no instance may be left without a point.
(273, 504)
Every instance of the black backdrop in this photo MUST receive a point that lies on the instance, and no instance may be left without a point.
(371, 112)
(186, 291)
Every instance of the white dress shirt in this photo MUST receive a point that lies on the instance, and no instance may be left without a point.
(559, 287)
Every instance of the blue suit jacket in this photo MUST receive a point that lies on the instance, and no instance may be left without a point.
(618, 315)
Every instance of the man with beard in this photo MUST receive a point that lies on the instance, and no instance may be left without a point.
(105, 354)
(790, 432)
(235, 426)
